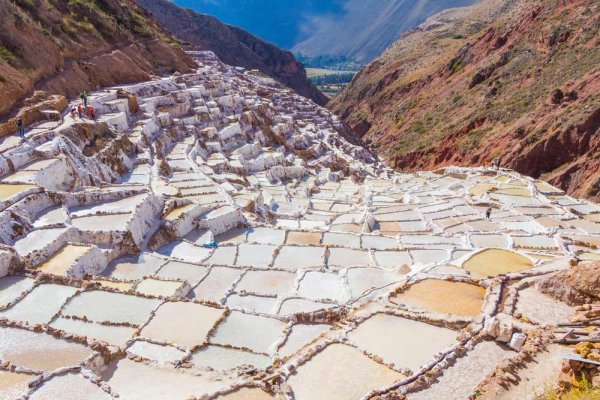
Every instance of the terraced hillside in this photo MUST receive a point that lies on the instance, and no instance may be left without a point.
(516, 80)
(213, 235)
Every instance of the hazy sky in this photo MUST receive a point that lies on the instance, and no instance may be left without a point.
(277, 21)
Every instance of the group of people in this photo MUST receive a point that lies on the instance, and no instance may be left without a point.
(83, 108)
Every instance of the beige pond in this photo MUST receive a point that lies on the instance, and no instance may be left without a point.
(481, 188)
(13, 385)
(39, 351)
(62, 261)
(8, 191)
(186, 324)
(494, 262)
(69, 387)
(340, 372)
(457, 298)
(137, 381)
(403, 342)
(304, 238)
(122, 286)
(179, 211)
(246, 394)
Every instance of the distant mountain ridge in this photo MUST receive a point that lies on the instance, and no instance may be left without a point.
(233, 45)
(367, 27)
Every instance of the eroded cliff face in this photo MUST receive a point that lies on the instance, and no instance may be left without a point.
(64, 47)
(234, 46)
(511, 79)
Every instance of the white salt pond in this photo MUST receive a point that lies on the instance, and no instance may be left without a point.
(12, 287)
(134, 267)
(102, 223)
(69, 387)
(186, 324)
(400, 341)
(293, 258)
(137, 381)
(100, 306)
(260, 333)
(191, 273)
(223, 359)
(355, 375)
(155, 352)
(266, 282)
(40, 305)
(113, 335)
(299, 336)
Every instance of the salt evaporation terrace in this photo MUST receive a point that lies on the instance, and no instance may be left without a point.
(216, 236)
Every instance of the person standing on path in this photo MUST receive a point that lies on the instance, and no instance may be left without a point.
(21, 127)
(80, 111)
(84, 97)
(488, 213)
(92, 113)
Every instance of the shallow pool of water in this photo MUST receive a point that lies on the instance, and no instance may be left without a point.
(69, 387)
(494, 262)
(155, 352)
(12, 287)
(13, 385)
(293, 258)
(217, 284)
(39, 351)
(223, 359)
(355, 375)
(186, 324)
(99, 306)
(40, 305)
(401, 341)
(62, 261)
(323, 285)
(260, 333)
(114, 335)
(300, 336)
(457, 298)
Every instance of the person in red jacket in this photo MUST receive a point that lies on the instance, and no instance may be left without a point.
(80, 111)
(92, 113)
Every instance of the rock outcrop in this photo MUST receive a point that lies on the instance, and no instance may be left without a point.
(65, 47)
(576, 286)
(514, 80)
(234, 46)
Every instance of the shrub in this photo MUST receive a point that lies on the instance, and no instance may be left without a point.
(7, 55)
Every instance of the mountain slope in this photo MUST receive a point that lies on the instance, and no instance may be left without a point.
(233, 45)
(366, 28)
(66, 46)
(515, 79)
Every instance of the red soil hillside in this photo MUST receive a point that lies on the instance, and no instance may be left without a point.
(515, 79)
(66, 46)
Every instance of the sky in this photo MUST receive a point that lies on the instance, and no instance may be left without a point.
(281, 22)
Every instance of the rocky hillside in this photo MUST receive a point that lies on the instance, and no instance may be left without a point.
(66, 46)
(517, 80)
(365, 28)
(233, 45)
